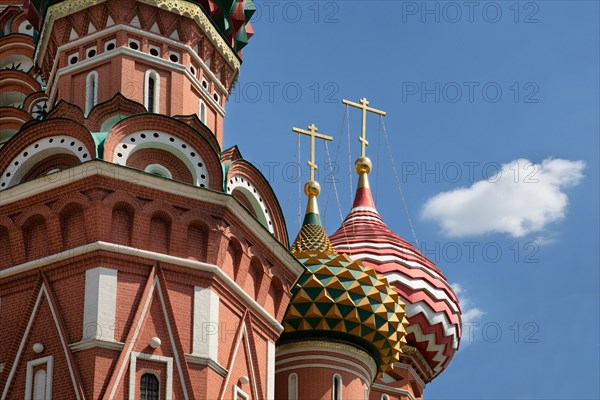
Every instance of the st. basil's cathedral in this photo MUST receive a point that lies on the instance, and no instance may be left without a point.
(140, 260)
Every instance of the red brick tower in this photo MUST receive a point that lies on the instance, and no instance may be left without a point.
(137, 259)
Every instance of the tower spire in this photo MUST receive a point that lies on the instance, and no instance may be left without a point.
(312, 236)
(363, 164)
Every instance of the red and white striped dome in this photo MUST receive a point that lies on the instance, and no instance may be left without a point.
(432, 307)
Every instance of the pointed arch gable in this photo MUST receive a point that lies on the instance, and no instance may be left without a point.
(34, 143)
(117, 105)
(177, 137)
(64, 109)
(259, 192)
(193, 121)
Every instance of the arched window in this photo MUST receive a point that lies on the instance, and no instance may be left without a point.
(91, 91)
(385, 397)
(152, 91)
(159, 170)
(149, 387)
(293, 387)
(39, 385)
(336, 392)
(202, 112)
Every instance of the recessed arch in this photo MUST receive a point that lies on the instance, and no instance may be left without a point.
(254, 199)
(181, 149)
(27, 158)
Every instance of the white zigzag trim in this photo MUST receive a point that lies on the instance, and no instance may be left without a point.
(385, 259)
(421, 284)
(432, 346)
(433, 318)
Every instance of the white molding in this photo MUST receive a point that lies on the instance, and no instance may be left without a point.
(103, 168)
(43, 291)
(292, 386)
(152, 256)
(213, 35)
(155, 358)
(150, 73)
(243, 184)
(242, 336)
(368, 377)
(390, 389)
(91, 78)
(218, 368)
(169, 143)
(270, 370)
(365, 357)
(155, 287)
(29, 384)
(239, 394)
(332, 367)
(205, 341)
(90, 344)
(55, 74)
(44, 148)
(340, 395)
(412, 371)
(100, 304)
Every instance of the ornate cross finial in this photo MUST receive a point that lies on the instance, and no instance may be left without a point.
(312, 132)
(364, 106)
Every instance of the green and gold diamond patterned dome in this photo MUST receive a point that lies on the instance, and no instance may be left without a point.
(342, 299)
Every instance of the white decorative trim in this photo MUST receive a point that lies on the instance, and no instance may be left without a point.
(158, 170)
(181, 149)
(152, 74)
(100, 304)
(29, 384)
(292, 386)
(156, 358)
(202, 111)
(270, 370)
(366, 376)
(254, 197)
(91, 91)
(390, 389)
(239, 394)
(310, 346)
(43, 292)
(90, 344)
(155, 286)
(110, 170)
(55, 74)
(205, 342)
(412, 372)
(242, 336)
(37, 151)
(218, 368)
(336, 381)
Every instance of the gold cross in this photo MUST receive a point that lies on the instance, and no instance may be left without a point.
(312, 132)
(364, 106)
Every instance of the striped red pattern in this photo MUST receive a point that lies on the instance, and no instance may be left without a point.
(432, 307)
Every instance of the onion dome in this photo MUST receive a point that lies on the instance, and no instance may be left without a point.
(432, 307)
(341, 299)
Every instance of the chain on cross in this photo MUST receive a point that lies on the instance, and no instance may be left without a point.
(364, 106)
(313, 133)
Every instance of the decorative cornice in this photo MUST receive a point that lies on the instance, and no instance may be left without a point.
(183, 8)
(194, 359)
(93, 343)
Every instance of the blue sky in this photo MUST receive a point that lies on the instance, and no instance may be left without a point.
(493, 119)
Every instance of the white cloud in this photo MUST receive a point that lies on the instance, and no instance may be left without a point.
(471, 315)
(523, 197)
